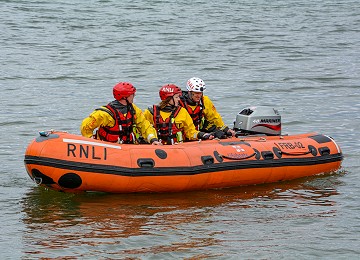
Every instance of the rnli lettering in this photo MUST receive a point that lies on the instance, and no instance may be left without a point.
(238, 155)
(293, 145)
(168, 89)
(86, 151)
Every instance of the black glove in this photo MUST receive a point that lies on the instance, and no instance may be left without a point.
(203, 136)
(153, 140)
(226, 131)
(219, 134)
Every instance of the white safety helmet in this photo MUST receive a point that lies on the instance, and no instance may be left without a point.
(195, 85)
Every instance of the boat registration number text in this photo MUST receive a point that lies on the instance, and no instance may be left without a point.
(291, 146)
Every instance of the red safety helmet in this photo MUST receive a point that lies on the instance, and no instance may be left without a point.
(169, 90)
(123, 90)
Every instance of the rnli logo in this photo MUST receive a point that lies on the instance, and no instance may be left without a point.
(171, 90)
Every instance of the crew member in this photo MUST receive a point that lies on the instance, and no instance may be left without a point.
(202, 110)
(121, 120)
(171, 121)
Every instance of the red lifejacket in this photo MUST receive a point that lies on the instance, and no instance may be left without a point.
(122, 131)
(196, 114)
(166, 129)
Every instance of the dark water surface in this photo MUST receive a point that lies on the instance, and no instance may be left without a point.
(60, 60)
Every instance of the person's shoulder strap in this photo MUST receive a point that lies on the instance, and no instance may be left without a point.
(182, 102)
(156, 114)
(176, 111)
(131, 108)
(202, 103)
(132, 111)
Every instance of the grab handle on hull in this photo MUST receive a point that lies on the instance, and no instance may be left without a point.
(146, 162)
(267, 155)
(324, 150)
(207, 159)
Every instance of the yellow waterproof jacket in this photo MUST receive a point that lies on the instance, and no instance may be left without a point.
(102, 118)
(183, 122)
(210, 114)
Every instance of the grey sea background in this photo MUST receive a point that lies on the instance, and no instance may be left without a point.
(59, 61)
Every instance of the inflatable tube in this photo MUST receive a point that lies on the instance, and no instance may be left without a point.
(72, 163)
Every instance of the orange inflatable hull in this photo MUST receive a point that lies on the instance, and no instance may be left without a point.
(73, 163)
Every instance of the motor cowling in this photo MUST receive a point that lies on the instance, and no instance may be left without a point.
(258, 120)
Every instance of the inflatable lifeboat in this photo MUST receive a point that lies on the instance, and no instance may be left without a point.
(72, 163)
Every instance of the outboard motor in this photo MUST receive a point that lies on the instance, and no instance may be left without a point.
(258, 120)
